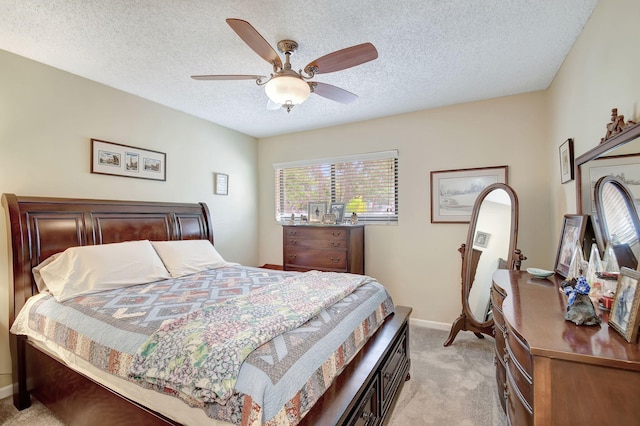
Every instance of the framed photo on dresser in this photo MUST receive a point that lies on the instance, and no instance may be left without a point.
(338, 210)
(317, 209)
(624, 316)
(574, 228)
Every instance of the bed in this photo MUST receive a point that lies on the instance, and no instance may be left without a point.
(363, 392)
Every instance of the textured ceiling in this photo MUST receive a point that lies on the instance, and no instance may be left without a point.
(431, 52)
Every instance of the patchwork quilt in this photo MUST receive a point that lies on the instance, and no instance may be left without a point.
(279, 378)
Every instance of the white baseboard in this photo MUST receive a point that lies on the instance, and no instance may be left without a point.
(429, 324)
(6, 391)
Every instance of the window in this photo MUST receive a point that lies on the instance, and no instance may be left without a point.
(366, 183)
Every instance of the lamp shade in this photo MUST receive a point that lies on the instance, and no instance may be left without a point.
(286, 89)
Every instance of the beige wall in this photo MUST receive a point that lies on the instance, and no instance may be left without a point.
(47, 118)
(416, 260)
(600, 73)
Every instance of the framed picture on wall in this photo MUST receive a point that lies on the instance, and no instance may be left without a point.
(566, 161)
(220, 184)
(109, 158)
(481, 239)
(454, 192)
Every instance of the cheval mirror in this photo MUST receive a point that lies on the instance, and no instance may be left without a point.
(491, 245)
(618, 220)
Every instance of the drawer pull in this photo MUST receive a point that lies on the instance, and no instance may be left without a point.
(293, 232)
(505, 394)
(334, 244)
(336, 233)
(506, 357)
(293, 242)
(292, 256)
(387, 376)
(335, 259)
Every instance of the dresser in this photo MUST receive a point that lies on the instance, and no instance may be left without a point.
(550, 371)
(333, 248)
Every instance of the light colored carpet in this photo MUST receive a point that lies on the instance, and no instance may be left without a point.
(448, 386)
(36, 415)
(455, 385)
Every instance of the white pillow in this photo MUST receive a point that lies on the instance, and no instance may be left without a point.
(42, 286)
(90, 269)
(186, 257)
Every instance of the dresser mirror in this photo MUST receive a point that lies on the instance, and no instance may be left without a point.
(617, 156)
(619, 223)
(491, 245)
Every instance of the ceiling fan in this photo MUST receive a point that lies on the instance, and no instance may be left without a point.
(286, 87)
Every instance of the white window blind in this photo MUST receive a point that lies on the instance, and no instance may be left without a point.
(367, 184)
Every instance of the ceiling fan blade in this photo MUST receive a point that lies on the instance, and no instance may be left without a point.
(332, 92)
(255, 41)
(343, 59)
(227, 77)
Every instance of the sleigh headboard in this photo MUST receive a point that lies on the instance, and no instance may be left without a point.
(38, 227)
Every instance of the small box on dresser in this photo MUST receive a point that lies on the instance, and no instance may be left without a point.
(332, 248)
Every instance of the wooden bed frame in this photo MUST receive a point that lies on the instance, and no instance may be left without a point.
(39, 227)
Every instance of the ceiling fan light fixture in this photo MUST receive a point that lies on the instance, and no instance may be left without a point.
(287, 90)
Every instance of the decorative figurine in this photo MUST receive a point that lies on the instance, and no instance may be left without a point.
(616, 125)
(580, 310)
(354, 218)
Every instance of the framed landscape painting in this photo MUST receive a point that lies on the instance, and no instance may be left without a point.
(454, 192)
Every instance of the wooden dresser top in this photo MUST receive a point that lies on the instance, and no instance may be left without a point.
(535, 308)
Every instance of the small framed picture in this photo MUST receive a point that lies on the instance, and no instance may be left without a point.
(566, 161)
(220, 184)
(317, 209)
(338, 210)
(624, 316)
(329, 219)
(481, 239)
(573, 231)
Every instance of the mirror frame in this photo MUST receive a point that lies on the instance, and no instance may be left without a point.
(628, 135)
(466, 321)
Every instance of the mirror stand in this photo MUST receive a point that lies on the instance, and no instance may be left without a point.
(462, 323)
(490, 245)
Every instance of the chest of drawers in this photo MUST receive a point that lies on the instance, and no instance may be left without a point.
(553, 372)
(333, 248)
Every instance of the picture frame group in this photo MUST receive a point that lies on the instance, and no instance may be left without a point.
(320, 213)
(110, 158)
